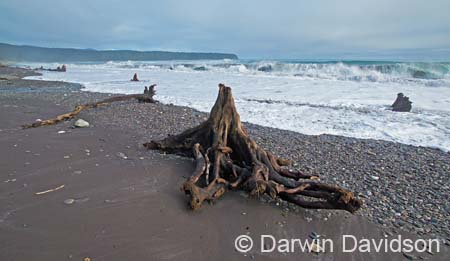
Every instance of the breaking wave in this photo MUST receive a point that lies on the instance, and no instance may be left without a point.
(341, 98)
(430, 74)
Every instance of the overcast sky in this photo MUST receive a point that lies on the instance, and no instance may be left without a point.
(251, 29)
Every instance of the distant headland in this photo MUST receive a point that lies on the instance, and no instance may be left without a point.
(9, 52)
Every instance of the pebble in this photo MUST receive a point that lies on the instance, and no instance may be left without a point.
(69, 201)
(316, 248)
(122, 155)
(371, 153)
(314, 235)
(80, 123)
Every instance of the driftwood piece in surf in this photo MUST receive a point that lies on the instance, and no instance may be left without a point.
(62, 68)
(227, 158)
(402, 103)
(145, 98)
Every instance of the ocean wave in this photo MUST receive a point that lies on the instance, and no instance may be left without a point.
(429, 74)
(328, 97)
(363, 71)
(353, 107)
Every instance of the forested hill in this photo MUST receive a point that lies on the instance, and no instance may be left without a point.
(10, 52)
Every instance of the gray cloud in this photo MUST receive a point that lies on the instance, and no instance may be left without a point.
(287, 29)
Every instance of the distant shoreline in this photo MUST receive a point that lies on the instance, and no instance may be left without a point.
(20, 53)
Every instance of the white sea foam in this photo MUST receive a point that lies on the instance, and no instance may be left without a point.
(347, 99)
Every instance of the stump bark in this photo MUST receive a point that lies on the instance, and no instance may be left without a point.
(227, 158)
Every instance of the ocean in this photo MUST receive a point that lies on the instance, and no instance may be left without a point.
(349, 98)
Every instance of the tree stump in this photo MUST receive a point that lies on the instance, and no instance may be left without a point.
(135, 78)
(227, 158)
(151, 90)
(402, 103)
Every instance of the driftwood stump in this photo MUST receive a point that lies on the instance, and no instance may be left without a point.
(402, 103)
(227, 158)
(148, 94)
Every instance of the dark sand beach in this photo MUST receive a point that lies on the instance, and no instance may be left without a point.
(123, 202)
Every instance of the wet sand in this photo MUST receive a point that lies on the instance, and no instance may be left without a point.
(133, 209)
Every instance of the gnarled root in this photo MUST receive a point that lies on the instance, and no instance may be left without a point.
(79, 108)
(232, 160)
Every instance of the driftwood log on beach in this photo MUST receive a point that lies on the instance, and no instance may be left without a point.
(146, 98)
(227, 158)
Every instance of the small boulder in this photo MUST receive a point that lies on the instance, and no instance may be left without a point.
(80, 123)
